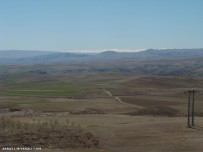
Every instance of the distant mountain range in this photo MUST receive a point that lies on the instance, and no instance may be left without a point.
(168, 62)
(22, 53)
(49, 57)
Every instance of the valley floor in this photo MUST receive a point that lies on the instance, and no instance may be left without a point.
(126, 113)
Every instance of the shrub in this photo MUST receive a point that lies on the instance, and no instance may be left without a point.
(49, 133)
(158, 110)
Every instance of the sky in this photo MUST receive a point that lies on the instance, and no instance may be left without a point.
(72, 25)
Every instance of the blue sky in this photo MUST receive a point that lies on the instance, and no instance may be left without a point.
(100, 24)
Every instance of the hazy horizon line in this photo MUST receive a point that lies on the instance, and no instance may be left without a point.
(96, 50)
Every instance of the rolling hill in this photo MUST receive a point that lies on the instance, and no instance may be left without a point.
(170, 62)
(48, 57)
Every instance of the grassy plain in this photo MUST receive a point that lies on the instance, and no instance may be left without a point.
(124, 111)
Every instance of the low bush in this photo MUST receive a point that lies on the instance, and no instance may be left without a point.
(158, 110)
(199, 114)
(49, 133)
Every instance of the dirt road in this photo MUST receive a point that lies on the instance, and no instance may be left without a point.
(117, 98)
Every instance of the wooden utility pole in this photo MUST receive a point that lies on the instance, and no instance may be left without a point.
(189, 107)
(193, 106)
(188, 114)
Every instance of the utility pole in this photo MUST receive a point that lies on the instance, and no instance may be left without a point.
(193, 106)
(189, 106)
(188, 114)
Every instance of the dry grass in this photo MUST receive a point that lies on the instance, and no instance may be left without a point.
(124, 133)
(49, 133)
